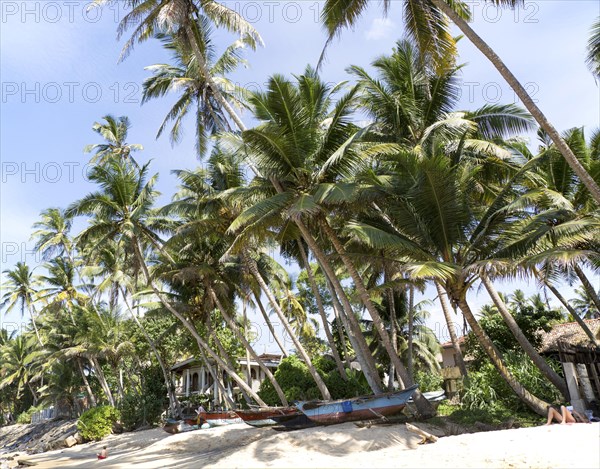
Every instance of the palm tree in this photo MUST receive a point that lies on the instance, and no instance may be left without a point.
(20, 364)
(593, 55)
(585, 305)
(180, 17)
(21, 291)
(122, 209)
(196, 96)
(426, 22)
(301, 130)
(52, 234)
(114, 132)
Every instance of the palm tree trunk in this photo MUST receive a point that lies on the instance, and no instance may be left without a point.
(88, 388)
(536, 404)
(226, 357)
(248, 368)
(286, 325)
(246, 344)
(591, 291)
(535, 111)
(411, 319)
(33, 313)
(363, 354)
(190, 327)
(337, 311)
(322, 314)
(531, 352)
(423, 405)
(174, 404)
(102, 379)
(571, 310)
(458, 356)
(33, 394)
(270, 325)
(394, 332)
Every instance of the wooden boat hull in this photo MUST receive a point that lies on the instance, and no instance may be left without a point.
(218, 418)
(360, 408)
(266, 417)
(297, 421)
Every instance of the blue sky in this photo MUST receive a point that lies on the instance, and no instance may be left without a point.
(59, 75)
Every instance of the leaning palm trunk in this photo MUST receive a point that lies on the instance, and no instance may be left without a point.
(270, 325)
(88, 388)
(411, 326)
(241, 337)
(322, 314)
(571, 310)
(423, 406)
(394, 333)
(590, 290)
(531, 352)
(337, 311)
(32, 313)
(173, 402)
(535, 111)
(102, 379)
(190, 327)
(536, 404)
(226, 357)
(312, 370)
(363, 354)
(458, 356)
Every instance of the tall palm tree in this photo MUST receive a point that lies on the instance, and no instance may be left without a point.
(196, 96)
(180, 17)
(426, 22)
(21, 289)
(301, 130)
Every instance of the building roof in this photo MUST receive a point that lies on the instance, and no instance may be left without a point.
(461, 342)
(270, 360)
(570, 334)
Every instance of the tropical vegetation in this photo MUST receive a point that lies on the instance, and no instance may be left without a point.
(343, 234)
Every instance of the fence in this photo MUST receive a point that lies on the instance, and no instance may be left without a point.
(44, 414)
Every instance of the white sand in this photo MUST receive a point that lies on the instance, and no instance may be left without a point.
(557, 446)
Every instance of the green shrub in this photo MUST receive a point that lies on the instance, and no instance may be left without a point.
(25, 417)
(485, 389)
(429, 381)
(298, 385)
(96, 423)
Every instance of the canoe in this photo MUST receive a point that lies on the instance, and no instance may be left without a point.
(264, 416)
(358, 408)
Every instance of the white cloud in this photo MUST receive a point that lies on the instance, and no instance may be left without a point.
(381, 28)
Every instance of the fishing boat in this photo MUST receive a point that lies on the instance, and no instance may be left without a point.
(358, 408)
(264, 416)
(434, 397)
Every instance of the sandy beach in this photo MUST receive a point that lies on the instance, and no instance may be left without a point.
(240, 446)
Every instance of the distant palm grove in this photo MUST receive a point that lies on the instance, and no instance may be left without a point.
(373, 192)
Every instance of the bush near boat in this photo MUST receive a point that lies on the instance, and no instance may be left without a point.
(96, 423)
(297, 384)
